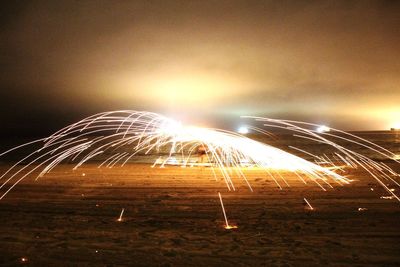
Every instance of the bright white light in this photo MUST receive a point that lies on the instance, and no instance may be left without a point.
(323, 128)
(243, 130)
(171, 127)
(396, 125)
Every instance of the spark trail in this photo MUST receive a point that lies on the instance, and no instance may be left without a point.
(227, 225)
(118, 137)
(339, 144)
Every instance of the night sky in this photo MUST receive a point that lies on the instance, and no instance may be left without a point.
(206, 62)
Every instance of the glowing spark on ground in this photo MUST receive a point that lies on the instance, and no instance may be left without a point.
(308, 203)
(386, 197)
(227, 225)
(120, 216)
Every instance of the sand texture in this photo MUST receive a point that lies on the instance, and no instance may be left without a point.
(173, 217)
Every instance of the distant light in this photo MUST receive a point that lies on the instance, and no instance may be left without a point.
(396, 126)
(323, 129)
(243, 130)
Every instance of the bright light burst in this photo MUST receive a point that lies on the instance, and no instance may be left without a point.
(322, 129)
(115, 138)
(243, 130)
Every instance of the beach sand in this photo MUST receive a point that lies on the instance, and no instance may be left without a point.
(172, 217)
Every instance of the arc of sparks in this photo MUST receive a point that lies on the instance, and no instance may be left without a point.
(145, 133)
(102, 135)
(344, 156)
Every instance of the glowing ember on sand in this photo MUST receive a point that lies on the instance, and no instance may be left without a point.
(308, 204)
(227, 225)
(120, 216)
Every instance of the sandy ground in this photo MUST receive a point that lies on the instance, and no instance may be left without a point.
(173, 218)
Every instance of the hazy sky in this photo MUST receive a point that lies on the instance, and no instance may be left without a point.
(331, 62)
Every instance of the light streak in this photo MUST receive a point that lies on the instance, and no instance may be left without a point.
(121, 214)
(227, 225)
(308, 204)
(347, 150)
(144, 133)
(115, 138)
(386, 197)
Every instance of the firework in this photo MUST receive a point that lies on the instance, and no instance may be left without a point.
(103, 136)
(118, 137)
(339, 144)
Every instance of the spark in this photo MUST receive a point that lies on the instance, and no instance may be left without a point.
(139, 133)
(362, 209)
(386, 197)
(146, 133)
(339, 143)
(121, 214)
(308, 203)
(227, 225)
